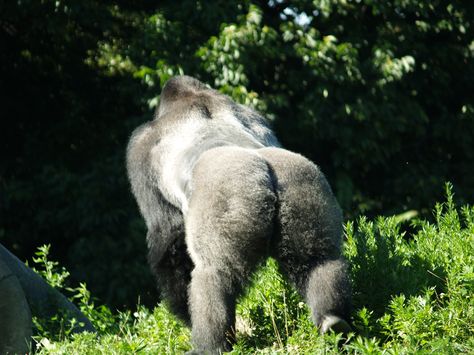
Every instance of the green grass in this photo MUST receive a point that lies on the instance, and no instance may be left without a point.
(413, 294)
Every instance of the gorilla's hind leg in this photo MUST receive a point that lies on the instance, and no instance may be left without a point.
(228, 227)
(326, 290)
(212, 304)
(307, 245)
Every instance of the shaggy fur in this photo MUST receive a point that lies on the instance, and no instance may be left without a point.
(219, 195)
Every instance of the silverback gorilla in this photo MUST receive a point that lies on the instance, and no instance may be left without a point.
(219, 195)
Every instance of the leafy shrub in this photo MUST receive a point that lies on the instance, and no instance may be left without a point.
(413, 293)
(59, 327)
(270, 311)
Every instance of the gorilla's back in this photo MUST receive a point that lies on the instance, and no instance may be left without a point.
(191, 119)
(187, 137)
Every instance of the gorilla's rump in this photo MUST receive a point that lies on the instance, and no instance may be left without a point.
(231, 209)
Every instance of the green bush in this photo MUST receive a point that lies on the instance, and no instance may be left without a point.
(416, 290)
(413, 293)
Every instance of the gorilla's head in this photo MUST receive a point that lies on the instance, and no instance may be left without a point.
(181, 92)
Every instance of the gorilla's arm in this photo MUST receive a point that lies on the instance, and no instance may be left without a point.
(164, 221)
(173, 275)
(167, 227)
(167, 256)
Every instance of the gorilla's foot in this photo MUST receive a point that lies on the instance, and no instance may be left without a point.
(335, 324)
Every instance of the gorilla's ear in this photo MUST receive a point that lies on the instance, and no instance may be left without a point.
(204, 105)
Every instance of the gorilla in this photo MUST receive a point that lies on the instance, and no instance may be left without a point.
(219, 195)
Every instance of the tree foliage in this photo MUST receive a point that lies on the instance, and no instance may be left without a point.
(379, 94)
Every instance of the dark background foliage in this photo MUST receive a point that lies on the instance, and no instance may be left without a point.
(379, 94)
